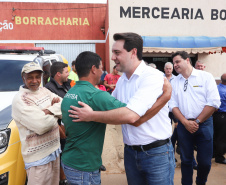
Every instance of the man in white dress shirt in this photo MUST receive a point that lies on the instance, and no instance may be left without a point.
(194, 99)
(148, 153)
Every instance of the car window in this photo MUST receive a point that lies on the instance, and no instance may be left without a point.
(10, 74)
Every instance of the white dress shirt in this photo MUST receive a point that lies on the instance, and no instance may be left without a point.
(140, 92)
(201, 91)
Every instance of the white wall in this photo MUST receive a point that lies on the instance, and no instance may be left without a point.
(173, 27)
(215, 63)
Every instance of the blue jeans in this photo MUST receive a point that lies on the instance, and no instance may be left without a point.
(174, 138)
(203, 138)
(152, 167)
(76, 177)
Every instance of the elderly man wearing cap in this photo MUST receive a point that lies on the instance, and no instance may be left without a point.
(36, 111)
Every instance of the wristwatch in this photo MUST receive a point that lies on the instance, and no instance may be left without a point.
(197, 121)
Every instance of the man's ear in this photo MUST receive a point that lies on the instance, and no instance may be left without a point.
(23, 78)
(58, 74)
(134, 52)
(188, 60)
(93, 69)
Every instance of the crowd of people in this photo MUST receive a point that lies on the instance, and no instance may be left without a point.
(60, 123)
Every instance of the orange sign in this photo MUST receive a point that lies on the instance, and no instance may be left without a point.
(51, 21)
(54, 21)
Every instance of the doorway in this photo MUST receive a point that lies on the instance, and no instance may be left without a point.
(160, 59)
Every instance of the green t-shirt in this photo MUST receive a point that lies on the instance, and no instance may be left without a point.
(85, 140)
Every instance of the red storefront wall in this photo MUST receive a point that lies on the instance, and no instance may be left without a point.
(52, 21)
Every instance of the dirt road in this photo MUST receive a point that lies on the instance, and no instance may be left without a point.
(217, 176)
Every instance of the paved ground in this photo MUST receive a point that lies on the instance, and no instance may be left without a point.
(217, 176)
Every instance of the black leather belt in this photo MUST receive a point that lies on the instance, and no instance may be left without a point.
(149, 146)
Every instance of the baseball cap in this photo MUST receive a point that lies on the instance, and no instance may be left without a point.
(32, 66)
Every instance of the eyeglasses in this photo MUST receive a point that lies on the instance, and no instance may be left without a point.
(185, 85)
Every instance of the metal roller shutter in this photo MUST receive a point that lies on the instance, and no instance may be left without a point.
(69, 51)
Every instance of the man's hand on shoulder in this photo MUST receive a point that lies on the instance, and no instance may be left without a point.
(167, 88)
(81, 114)
(158, 105)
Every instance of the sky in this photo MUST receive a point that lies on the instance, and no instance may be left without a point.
(59, 1)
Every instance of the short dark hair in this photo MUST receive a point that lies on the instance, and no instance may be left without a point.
(132, 40)
(73, 63)
(57, 67)
(223, 79)
(183, 55)
(85, 61)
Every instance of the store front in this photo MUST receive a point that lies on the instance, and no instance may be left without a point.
(67, 28)
(160, 59)
(158, 50)
(197, 27)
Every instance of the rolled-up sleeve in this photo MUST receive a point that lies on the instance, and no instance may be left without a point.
(212, 96)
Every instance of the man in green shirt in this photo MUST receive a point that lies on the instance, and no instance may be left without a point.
(81, 158)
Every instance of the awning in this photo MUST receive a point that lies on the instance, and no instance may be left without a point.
(189, 44)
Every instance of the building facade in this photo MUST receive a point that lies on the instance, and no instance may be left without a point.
(67, 28)
(170, 21)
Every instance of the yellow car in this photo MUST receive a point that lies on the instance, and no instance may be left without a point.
(12, 171)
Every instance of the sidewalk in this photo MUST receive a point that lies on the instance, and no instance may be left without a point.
(217, 176)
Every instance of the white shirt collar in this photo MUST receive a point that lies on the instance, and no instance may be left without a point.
(193, 73)
(139, 70)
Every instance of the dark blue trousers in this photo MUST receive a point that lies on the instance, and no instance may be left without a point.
(174, 138)
(203, 138)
